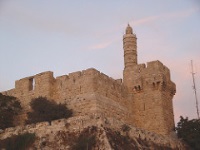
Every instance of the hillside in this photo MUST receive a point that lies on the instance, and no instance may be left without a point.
(94, 132)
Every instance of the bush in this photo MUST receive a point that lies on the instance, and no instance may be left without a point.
(189, 131)
(9, 108)
(18, 142)
(85, 143)
(125, 128)
(46, 110)
(86, 140)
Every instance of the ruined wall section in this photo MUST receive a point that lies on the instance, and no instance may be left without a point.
(153, 91)
(31, 87)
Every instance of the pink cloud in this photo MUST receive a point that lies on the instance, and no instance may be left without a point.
(101, 45)
(179, 14)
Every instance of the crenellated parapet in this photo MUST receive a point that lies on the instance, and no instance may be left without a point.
(154, 76)
(86, 92)
(87, 81)
(40, 84)
(44, 84)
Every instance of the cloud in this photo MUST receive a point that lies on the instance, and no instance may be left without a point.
(144, 20)
(173, 15)
(39, 20)
(100, 46)
(103, 45)
(150, 19)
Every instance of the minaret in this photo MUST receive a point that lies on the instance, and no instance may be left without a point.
(130, 55)
(130, 48)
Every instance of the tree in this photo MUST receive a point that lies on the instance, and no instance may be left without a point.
(9, 108)
(46, 110)
(189, 131)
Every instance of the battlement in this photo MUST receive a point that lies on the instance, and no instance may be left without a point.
(87, 81)
(152, 67)
(153, 75)
(156, 67)
(37, 83)
(89, 73)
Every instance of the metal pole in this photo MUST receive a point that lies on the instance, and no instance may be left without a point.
(195, 91)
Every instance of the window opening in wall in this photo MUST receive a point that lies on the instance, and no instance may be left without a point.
(154, 85)
(31, 84)
(135, 87)
(139, 70)
(60, 84)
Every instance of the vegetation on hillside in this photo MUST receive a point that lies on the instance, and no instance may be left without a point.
(18, 142)
(189, 131)
(86, 140)
(46, 110)
(9, 108)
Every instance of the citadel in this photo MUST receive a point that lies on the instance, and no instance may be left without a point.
(143, 98)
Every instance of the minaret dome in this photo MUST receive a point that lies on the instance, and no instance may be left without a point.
(129, 30)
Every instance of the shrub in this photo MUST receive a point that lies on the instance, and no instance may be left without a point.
(46, 110)
(18, 142)
(125, 128)
(189, 131)
(9, 108)
(86, 140)
(85, 143)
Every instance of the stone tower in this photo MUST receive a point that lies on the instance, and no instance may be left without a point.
(130, 56)
(150, 90)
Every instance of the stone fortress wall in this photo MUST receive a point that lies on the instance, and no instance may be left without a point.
(85, 92)
(143, 99)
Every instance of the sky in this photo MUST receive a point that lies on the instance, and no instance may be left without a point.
(66, 36)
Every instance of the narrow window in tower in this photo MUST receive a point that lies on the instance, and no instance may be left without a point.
(144, 106)
(154, 85)
(60, 84)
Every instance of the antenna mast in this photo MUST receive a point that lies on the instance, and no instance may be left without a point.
(195, 91)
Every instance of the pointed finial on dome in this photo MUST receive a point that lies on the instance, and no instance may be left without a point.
(129, 30)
